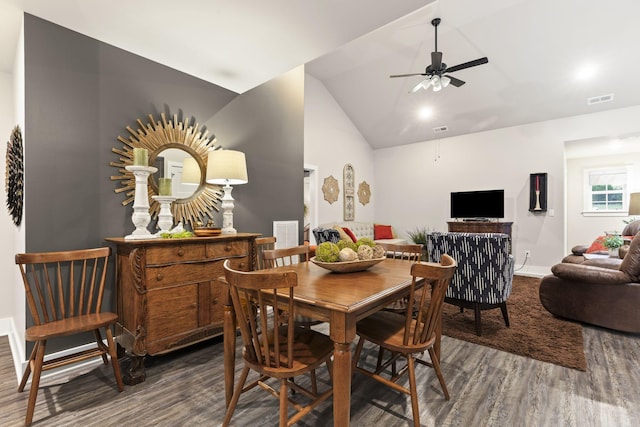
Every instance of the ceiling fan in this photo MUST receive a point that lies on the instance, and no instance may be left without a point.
(436, 73)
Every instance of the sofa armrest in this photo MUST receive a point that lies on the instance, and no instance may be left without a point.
(590, 274)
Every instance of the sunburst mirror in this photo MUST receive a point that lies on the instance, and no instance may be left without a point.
(171, 144)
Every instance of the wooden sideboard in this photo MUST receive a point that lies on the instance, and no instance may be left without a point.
(480, 227)
(167, 297)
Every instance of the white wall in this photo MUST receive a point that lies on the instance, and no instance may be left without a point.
(415, 184)
(330, 141)
(582, 230)
(7, 228)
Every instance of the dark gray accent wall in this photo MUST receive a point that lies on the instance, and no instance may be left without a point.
(80, 96)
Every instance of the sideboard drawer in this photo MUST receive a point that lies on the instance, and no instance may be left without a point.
(175, 254)
(228, 249)
(172, 275)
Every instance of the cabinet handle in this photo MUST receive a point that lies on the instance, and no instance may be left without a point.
(180, 252)
(227, 248)
(241, 266)
(160, 277)
(215, 301)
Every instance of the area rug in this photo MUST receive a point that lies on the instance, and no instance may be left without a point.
(534, 332)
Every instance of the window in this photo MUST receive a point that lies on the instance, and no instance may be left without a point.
(606, 190)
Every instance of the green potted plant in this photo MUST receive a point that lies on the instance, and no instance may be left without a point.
(419, 237)
(613, 242)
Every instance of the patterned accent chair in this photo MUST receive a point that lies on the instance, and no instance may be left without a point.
(326, 235)
(484, 274)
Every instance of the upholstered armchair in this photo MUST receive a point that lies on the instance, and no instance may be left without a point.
(596, 295)
(484, 274)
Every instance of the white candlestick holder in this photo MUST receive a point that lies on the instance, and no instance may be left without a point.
(165, 217)
(141, 216)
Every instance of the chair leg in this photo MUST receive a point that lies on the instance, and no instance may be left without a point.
(380, 355)
(113, 352)
(27, 370)
(436, 367)
(284, 403)
(476, 310)
(314, 382)
(98, 335)
(356, 355)
(35, 381)
(414, 390)
(505, 313)
(236, 396)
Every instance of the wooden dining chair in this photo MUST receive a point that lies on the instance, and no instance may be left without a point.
(274, 346)
(64, 293)
(407, 335)
(263, 244)
(285, 256)
(409, 251)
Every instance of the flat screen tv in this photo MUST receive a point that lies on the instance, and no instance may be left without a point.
(477, 204)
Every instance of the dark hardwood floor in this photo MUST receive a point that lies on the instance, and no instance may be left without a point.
(488, 388)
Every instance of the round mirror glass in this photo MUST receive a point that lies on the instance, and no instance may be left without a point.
(182, 168)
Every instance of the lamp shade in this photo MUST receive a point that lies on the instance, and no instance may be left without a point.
(190, 171)
(634, 204)
(226, 167)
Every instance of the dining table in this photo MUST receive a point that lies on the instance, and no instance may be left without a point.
(340, 299)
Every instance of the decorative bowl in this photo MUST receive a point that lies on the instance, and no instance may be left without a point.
(348, 266)
(206, 231)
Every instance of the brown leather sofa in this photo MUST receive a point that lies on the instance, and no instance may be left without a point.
(596, 295)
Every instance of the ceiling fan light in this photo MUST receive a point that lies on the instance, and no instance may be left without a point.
(437, 85)
(445, 81)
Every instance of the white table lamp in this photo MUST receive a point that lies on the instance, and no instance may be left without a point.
(227, 168)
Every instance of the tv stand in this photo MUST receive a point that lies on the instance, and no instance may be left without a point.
(481, 227)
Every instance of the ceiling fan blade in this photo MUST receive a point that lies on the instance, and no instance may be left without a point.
(469, 64)
(407, 75)
(436, 60)
(455, 82)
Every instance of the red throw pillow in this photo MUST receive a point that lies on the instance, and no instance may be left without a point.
(597, 246)
(350, 234)
(382, 232)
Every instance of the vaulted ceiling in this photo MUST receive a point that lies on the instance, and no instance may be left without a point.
(536, 50)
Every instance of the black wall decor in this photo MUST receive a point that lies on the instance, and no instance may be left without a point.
(538, 192)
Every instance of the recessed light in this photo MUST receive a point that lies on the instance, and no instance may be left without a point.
(425, 113)
(586, 72)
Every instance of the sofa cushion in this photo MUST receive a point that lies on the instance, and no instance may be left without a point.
(597, 246)
(350, 233)
(343, 234)
(381, 231)
(589, 274)
(631, 262)
(631, 229)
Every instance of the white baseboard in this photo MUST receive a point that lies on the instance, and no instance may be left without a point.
(533, 271)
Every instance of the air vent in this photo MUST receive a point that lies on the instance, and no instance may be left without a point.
(440, 129)
(599, 99)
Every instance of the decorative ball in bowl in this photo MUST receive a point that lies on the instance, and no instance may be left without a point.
(348, 266)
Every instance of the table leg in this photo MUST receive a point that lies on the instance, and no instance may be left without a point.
(341, 384)
(229, 351)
